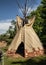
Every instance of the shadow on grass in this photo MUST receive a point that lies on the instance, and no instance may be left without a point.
(42, 62)
(29, 62)
(17, 62)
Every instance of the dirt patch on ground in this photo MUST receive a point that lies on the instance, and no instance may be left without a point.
(3, 44)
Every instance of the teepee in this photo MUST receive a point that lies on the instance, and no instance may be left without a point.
(26, 42)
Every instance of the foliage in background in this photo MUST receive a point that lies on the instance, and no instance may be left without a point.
(11, 32)
(43, 15)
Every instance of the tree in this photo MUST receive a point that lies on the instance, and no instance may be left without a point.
(43, 15)
(9, 35)
(11, 32)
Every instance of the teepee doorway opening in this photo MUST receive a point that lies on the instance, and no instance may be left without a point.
(20, 49)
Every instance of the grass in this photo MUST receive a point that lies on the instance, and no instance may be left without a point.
(41, 60)
(22, 61)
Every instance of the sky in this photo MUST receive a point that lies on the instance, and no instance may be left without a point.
(9, 10)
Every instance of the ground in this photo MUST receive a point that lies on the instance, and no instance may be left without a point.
(25, 61)
(41, 60)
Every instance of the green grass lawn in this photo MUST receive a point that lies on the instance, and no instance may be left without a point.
(41, 60)
(22, 61)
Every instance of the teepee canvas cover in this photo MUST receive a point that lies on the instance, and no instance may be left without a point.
(26, 41)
